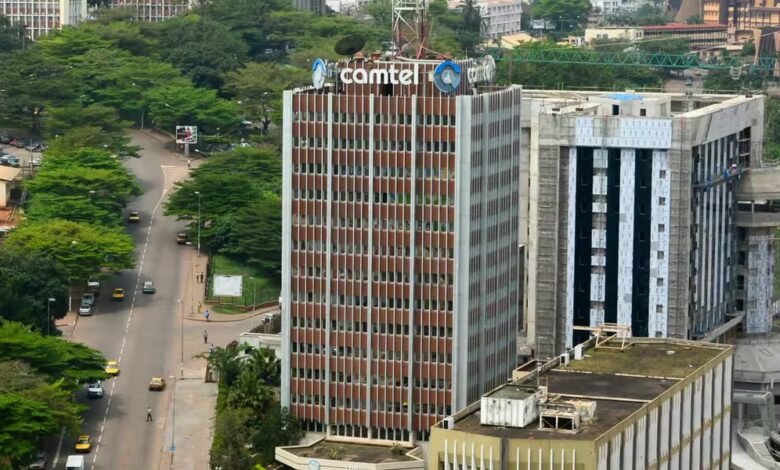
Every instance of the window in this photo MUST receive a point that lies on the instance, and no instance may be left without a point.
(659, 308)
(661, 228)
(642, 112)
(661, 201)
(615, 110)
(659, 282)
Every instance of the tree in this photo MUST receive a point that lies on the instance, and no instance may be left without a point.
(263, 364)
(51, 356)
(259, 85)
(12, 36)
(568, 14)
(231, 439)
(22, 420)
(224, 361)
(26, 284)
(99, 125)
(177, 104)
(277, 428)
(81, 251)
(695, 19)
(201, 48)
(256, 235)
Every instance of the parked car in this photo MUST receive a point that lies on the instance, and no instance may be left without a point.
(19, 143)
(157, 384)
(95, 390)
(88, 297)
(13, 161)
(83, 444)
(35, 147)
(85, 309)
(149, 288)
(6, 138)
(93, 287)
(118, 294)
(112, 368)
(39, 462)
(134, 217)
(36, 161)
(182, 238)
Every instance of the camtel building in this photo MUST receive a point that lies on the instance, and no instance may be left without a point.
(401, 267)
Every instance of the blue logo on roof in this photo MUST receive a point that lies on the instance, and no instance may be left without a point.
(447, 76)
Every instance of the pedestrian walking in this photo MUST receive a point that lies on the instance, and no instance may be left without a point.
(189, 164)
(200, 306)
(206, 314)
(149, 414)
(205, 336)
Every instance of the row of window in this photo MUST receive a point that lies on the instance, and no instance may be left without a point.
(376, 354)
(376, 302)
(379, 118)
(384, 328)
(376, 405)
(342, 377)
(379, 145)
(383, 276)
(386, 171)
(362, 196)
(383, 250)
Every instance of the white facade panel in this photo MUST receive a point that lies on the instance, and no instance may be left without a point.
(597, 281)
(570, 239)
(614, 452)
(598, 238)
(660, 228)
(596, 317)
(663, 446)
(628, 447)
(640, 454)
(676, 430)
(599, 208)
(623, 132)
(697, 423)
(599, 182)
(598, 260)
(603, 460)
(626, 236)
(652, 439)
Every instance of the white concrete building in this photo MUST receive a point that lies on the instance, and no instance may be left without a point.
(633, 213)
(502, 17)
(154, 10)
(40, 17)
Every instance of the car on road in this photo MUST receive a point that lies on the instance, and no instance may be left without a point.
(182, 238)
(88, 297)
(36, 161)
(149, 287)
(85, 309)
(83, 444)
(75, 462)
(39, 462)
(112, 368)
(118, 294)
(93, 287)
(95, 389)
(134, 217)
(157, 384)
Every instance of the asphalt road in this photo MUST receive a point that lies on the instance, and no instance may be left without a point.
(140, 332)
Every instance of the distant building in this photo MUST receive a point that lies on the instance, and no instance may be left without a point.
(617, 33)
(8, 178)
(636, 216)
(501, 17)
(154, 10)
(40, 17)
(741, 16)
(699, 36)
(310, 6)
(656, 404)
(511, 41)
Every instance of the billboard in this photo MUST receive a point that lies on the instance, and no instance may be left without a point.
(229, 286)
(186, 134)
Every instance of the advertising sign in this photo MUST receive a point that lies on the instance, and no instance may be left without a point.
(537, 24)
(186, 134)
(229, 286)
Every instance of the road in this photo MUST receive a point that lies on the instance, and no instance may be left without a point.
(140, 332)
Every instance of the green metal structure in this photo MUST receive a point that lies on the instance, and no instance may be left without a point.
(639, 59)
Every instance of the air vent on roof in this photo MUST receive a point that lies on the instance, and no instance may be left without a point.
(559, 417)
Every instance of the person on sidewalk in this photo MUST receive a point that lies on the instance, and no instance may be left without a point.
(149, 414)
(205, 336)
(206, 314)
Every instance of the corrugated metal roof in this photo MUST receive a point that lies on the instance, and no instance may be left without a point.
(8, 173)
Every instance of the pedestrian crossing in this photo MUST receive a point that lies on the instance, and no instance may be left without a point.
(174, 174)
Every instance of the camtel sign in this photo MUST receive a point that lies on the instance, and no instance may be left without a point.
(391, 76)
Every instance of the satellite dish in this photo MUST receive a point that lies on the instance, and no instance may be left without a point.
(348, 45)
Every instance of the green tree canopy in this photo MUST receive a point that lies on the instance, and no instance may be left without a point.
(567, 14)
(177, 104)
(26, 284)
(82, 251)
(11, 35)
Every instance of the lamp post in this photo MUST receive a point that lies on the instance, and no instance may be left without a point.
(197, 193)
(254, 299)
(173, 426)
(48, 315)
(181, 316)
(73, 244)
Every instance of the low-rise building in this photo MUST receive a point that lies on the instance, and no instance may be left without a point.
(154, 10)
(40, 17)
(614, 33)
(324, 454)
(699, 36)
(8, 178)
(652, 403)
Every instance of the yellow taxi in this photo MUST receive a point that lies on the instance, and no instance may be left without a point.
(118, 294)
(157, 384)
(83, 444)
(112, 368)
(134, 217)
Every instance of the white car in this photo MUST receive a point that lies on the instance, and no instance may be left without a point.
(88, 298)
(95, 390)
(85, 309)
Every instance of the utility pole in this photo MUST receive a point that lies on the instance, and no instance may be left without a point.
(199, 223)
(254, 299)
(48, 315)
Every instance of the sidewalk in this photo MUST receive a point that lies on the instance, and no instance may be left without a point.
(195, 400)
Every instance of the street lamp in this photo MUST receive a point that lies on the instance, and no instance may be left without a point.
(73, 244)
(197, 193)
(48, 315)
(181, 315)
(92, 193)
(254, 299)
(173, 427)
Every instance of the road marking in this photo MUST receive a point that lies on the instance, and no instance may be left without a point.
(139, 271)
(59, 447)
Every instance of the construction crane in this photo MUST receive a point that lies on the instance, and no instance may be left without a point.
(638, 59)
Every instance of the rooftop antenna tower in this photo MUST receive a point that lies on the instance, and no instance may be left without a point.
(410, 28)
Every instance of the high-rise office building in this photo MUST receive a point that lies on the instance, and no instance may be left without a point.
(400, 281)
(40, 17)
(633, 215)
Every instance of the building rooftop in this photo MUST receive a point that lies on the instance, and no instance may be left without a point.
(673, 26)
(619, 382)
(350, 452)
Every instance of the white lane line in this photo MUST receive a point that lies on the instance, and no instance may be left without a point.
(132, 308)
(59, 447)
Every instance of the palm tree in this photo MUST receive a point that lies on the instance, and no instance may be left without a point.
(472, 16)
(264, 364)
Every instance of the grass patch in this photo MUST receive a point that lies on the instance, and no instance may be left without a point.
(264, 287)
